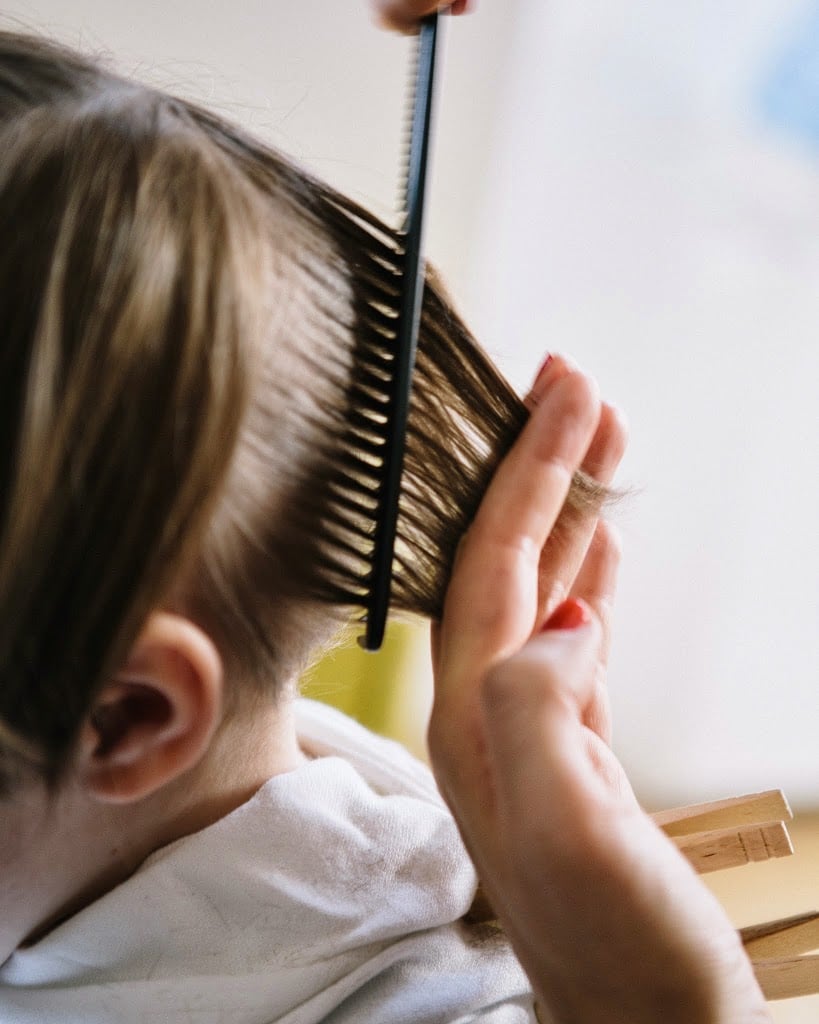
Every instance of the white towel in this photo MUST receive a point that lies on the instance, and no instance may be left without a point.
(334, 894)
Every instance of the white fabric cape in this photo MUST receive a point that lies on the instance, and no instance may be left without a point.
(334, 894)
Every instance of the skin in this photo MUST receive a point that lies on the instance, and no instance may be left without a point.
(404, 15)
(608, 919)
(158, 759)
(622, 930)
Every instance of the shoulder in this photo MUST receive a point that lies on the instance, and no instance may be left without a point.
(385, 765)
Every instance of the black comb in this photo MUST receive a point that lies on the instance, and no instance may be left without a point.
(409, 314)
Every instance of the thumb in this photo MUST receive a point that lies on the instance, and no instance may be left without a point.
(559, 663)
(533, 704)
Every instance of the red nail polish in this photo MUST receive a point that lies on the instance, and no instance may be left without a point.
(543, 367)
(539, 385)
(569, 615)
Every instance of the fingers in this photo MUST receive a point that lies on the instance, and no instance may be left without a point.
(596, 581)
(608, 446)
(404, 15)
(566, 549)
(596, 584)
(492, 600)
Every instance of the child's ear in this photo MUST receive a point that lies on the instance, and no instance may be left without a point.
(156, 719)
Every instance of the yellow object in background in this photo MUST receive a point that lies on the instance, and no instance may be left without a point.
(389, 691)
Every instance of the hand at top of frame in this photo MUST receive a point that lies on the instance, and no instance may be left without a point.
(404, 15)
(609, 921)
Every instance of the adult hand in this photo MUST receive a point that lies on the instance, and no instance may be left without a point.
(607, 918)
(404, 15)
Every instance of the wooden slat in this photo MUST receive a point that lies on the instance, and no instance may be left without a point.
(786, 977)
(734, 812)
(731, 847)
(789, 936)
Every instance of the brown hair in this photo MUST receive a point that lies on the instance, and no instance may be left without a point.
(188, 325)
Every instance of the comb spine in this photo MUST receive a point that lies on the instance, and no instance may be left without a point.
(409, 314)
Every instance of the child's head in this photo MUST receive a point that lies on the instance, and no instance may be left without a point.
(185, 322)
(175, 344)
(181, 311)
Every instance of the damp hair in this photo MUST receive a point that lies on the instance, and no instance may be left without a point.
(188, 328)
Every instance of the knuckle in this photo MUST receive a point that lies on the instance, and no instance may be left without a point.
(499, 684)
(617, 427)
(582, 390)
(553, 592)
(510, 683)
(611, 537)
(508, 552)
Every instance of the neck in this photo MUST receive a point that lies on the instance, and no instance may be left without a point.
(247, 750)
(98, 846)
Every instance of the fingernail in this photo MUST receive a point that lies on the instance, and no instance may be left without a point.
(569, 615)
(541, 379)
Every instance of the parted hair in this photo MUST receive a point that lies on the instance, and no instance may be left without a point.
(186, 332)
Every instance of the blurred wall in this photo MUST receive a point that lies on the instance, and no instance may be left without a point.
(654, 209)
(615, 181)
(317, 78)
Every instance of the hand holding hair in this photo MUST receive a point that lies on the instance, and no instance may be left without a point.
(608, 919)
(404, 15)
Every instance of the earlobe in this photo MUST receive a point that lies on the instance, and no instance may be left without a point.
(156, 718)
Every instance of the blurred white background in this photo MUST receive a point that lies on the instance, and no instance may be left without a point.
(637, 185)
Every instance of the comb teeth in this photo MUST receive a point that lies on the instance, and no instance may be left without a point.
(389, 336)
(402, 194)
